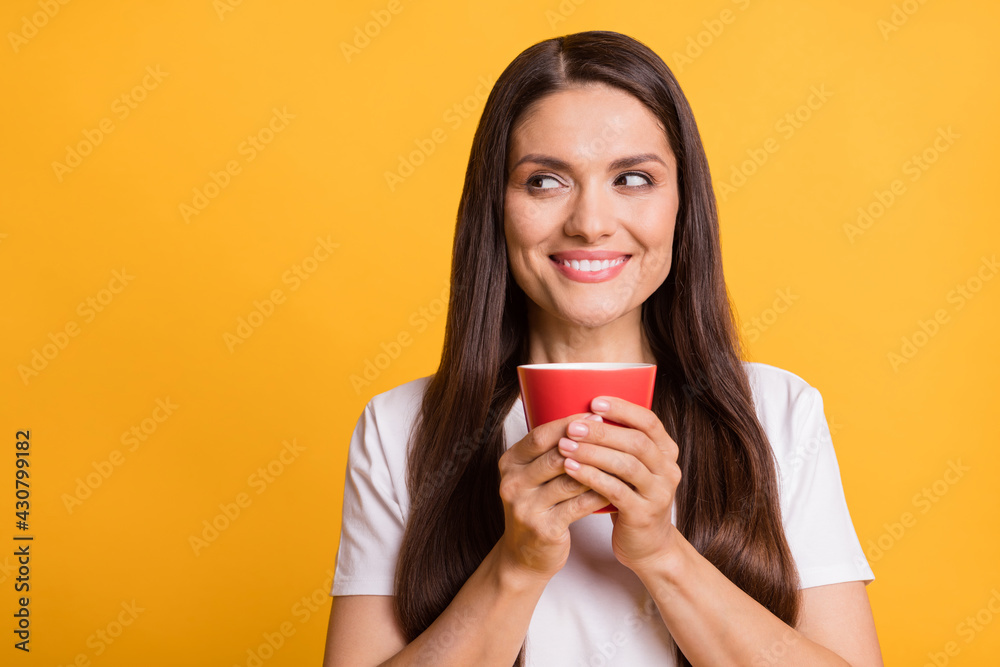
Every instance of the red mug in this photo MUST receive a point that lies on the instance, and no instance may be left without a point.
(554, 391)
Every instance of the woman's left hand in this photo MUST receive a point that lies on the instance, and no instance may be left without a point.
(635, 467)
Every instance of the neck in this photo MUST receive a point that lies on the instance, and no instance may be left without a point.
(557, 341)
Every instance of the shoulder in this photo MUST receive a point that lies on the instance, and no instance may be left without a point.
(394, 411)
(783, 401)
(401, 399)
(380, 442)
(772, 385)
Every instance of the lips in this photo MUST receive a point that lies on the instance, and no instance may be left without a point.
(577, 264)
(589, 254)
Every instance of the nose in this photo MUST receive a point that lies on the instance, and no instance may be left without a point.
(591, 214)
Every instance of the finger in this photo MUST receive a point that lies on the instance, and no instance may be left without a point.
(608, 486)
(622, 438)
(559, 489)
(622, 465)
(539, 440)
(635, 416)
(543, 469)
(577, 507)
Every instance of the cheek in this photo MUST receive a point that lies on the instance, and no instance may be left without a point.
(516, 246)
(657, 227)
(529, 214)
(668, 217)
(523, 228)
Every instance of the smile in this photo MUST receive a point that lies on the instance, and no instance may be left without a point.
(590, 270)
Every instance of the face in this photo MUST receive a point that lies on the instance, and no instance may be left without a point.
(590, 206)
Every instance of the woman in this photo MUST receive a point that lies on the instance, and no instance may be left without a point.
(587, 231)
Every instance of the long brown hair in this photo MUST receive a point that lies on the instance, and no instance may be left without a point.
(702, 393)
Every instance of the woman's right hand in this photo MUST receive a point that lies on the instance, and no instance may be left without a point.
(540, 501)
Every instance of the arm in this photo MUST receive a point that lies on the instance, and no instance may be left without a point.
(715, 623)
(711, 619)
(486, 623)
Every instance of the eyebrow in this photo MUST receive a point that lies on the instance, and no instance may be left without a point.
(620, 163)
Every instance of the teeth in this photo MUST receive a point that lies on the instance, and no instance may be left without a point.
(592, 265)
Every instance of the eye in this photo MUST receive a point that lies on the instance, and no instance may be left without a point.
(636, 175)
(543, 177)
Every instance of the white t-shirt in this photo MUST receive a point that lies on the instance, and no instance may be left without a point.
(595, 611)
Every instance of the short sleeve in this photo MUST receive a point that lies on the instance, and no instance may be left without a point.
(817, 522)
(372, 522)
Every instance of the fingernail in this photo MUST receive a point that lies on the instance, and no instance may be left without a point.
(600, 404)
(576, 428)
(594, 418)
(572, 465)
(567, 444)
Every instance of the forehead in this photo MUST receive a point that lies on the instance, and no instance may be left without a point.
(587, 122)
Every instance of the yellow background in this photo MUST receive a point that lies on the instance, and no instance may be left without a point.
(322, 176)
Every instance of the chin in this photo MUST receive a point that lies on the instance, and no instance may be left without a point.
(591, 320)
